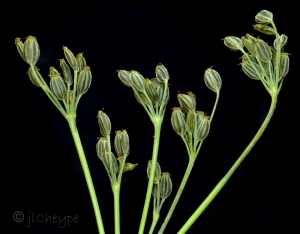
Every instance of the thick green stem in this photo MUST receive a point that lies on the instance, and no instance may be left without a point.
(116, 191)
(179, 192)
(154, 222)
(224, 180)
(157, 121)
(72, 123)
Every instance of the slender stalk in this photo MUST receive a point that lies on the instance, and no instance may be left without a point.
(224, 180)
(157, 121)
(72, 123)
(179, 192)
(116, 192)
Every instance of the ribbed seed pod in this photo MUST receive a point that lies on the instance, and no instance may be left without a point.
(110, 162)
(264, 29)
(160, 91)
(250, 71)
(70, 58)
(156, 82)
(203, 128)
(249, 44)
(125, 142)
(141, 98)
(187, 102)
(129, 167)
(266, 67)
(125, 77)
(250, 37)
(31, 50)
(100, 146)
(117, 143)
(249, 58)
(151, 90)
(165, 185)
(282, 41)
(264, 17)
(104, 123)
(212, 80)
(32, 77)
(58, 86)
(81, 62)
(233, 43)
(190, 121)
(155, 193)
(178, 121)
(137, 81)
(162, 73)
(157, 175)
(66, 71)
(263, 51)
(284, 64)
(84, 80)
(20, 47)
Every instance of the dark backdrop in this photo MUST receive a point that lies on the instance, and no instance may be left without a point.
(41, 169)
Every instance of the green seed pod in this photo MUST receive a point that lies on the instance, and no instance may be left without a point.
(233, 43)
(125, 77)
(53, 71)
(137, 81)
(155, 193)
(70, 58)
(263, 51)
(81, 62)
(125, 142)
(66, 71)
(178, 121)
(250, 37)
(165, 185)
(117, 143)
(156, 82)
(284, 65)
(129, 167)
(104, 123)
(250, 71)
(282, 41)
(100, 146)
(84, 80)
(212, 80)
(58, 86)
(203, 128)
(32, 77)
(20, 48)
(264, 17)
(249, 58)
(187, 102)
(157, 175)
(110, 162)
(265, 29)
(266, 67)
(151, 90)
(162, 73)
(190, 121)
(160, 91)
(31, 50)
(141, 98)
(249, 44)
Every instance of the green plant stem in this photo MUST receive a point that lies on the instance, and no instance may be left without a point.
(179, 192)
(224, 180)
(154, 222)
(71, 118)
(157, 121)
(116, 192)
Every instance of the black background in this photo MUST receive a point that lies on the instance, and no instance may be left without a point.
(41, 170)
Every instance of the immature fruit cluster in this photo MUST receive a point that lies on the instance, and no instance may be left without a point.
(60, 84)
(153, 93)
(270, 64)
